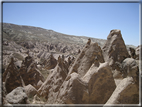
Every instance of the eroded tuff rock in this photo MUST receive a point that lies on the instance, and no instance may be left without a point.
(114, 49)
(126, 92)
(86, 58)
(12, 77)
(29, 72)
(51, 86)
(17, 96)
(101, 84)
(50, 63)
(130, 68)
(93, 88)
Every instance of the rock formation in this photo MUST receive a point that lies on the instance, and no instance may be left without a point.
(86, 58)
(114, 49)
(12, 77)
(93, 88)
(126, 92)
(51, 63)
(29, 72)
(51, 86)
(17, 96)
(76, 71)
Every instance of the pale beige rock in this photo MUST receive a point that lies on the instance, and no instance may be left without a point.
(114, 49)
(93, 88)
(86, 58)
(51, 86)
(126, 92)
(101, 84)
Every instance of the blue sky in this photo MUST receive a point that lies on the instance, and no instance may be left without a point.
(80, 19)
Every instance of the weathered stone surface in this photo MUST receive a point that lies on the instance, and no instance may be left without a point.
(101, 84)
(126, 92)
(30, 90)
(11, 77)
(93, 88)
(132, 53)
(30, 73)
(130, 68)
(72, 91)
(50, 63)
(50, 87)
(114, 49)
(86, 58)
(17, 96)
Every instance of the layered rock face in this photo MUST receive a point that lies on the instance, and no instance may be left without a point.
(12, 77)
(114, 49)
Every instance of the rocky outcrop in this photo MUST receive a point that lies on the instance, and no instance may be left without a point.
(50, 63)
(93, 88)
(130, 68)
(86, 58)
(30, 73)
(126, 92)
(114, 49)
(101, 84)
(53, 82)
(17, 96)
(12, 77)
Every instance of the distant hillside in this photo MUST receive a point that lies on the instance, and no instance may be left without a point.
(19, 33)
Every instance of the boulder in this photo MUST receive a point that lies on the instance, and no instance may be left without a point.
(17, 96)
(115, 49)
